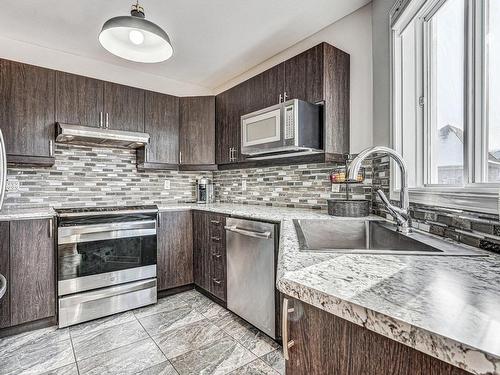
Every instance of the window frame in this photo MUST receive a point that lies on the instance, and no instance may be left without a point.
(475, 194)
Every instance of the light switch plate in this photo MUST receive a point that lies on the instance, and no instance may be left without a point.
(166, 185)
(12, 185)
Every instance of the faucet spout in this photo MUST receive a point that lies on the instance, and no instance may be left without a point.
(400, 214)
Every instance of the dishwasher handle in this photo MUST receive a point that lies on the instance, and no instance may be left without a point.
(249, 233)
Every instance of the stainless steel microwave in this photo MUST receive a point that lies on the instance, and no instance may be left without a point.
(286, 129)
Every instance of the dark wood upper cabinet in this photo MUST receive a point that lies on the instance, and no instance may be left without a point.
(123, 107)
(79, 100)
(197, 130)
(27, 112)
(175, 249)
(162, 124)
(265, 89)
(5, 270)
(227, 113)
(32, 272)
(304, 78)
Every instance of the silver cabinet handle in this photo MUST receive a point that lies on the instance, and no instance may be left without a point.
(285, 96)
(3, 285)
(230, 154)
(249, 233)
(216, 281)
(100, 119)
(107, 120)
(215, 222)
(3, 169)
(51, 228)
(280, 98)
(286, 344)
(180, 157)
(51, 148)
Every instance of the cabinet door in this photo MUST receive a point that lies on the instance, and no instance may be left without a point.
(217, 254)
(124, 107)
(321, 342)
(201, 250)
(263, 90)
(304, 75)
(175, 249)
(197, 130)
(162, 124)
(5, 270)
(32, 274)
(27, 108)
(227, 126)
(79, 100)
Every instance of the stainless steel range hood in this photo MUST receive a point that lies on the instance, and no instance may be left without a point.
(90, 136)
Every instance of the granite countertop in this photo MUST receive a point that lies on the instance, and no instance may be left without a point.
(445, 306)
(26, 213)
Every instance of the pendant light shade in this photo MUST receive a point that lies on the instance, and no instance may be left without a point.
(136, 39)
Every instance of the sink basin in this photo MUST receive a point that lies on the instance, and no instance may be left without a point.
(372, 237)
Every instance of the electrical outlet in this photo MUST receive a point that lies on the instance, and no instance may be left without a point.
(243, 185)
(12, 185)
(166, 185)
(335, 188)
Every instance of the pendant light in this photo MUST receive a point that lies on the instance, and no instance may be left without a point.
(136, 39)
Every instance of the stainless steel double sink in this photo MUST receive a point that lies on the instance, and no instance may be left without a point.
(373, 237)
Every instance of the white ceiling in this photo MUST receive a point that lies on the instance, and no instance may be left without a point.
(214, 40)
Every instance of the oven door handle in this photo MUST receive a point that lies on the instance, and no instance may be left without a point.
(109, 231)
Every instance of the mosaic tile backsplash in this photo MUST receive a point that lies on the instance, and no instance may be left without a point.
(85, 176)
(304, 186)
(468, 227)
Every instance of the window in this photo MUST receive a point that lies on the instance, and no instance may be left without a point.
(446, 100)
(492, 80)
(446, 69)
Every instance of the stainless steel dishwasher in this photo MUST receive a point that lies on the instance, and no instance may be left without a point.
(251, 272)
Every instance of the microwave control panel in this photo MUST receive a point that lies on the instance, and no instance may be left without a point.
(289, 123)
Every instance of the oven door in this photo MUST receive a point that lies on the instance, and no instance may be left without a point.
(100, 255)
(262, 130)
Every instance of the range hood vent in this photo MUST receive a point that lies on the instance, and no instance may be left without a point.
(90, 136)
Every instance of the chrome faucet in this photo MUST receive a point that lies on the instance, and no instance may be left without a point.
(400, 214)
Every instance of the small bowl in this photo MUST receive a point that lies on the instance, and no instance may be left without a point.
(348, 207)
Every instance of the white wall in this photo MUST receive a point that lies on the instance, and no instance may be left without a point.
(352, 34)
(36, 55)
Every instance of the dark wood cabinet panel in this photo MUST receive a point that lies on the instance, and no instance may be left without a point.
(327, 344)
(27, 95)
(304, 75)
(79, 100)
(265, 89)
(337, 100)
(175, 249)
(227, 106)
(197, 130)
(209, 253)
(32, 283)
(5, 270)
(162, 124)
(124, 106)
(201, 250)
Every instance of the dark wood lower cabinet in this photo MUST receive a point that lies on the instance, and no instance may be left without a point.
(4, 270)
(327, 344)
(210, 253)
(175, 250)
(27, 261)
(32, 273)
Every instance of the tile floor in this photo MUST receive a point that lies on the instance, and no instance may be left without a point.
(182, 334)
